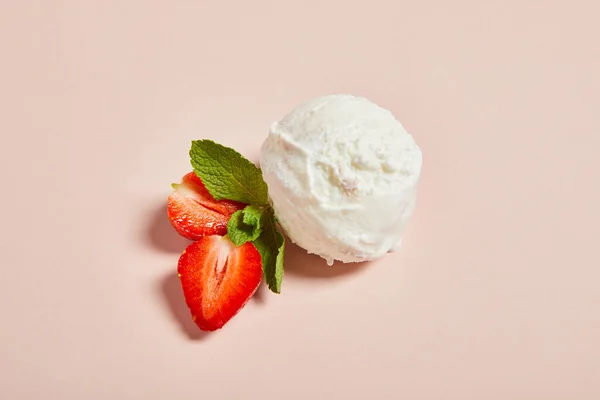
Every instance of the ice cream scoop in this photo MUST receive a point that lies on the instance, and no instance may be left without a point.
(342, 174)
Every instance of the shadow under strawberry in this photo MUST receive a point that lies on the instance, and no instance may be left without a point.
(170, 289)
(161, 235)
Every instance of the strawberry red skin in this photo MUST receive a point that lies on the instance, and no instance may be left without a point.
(218, 279)
(194, 213)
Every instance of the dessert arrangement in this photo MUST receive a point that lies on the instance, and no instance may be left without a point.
(338, 175)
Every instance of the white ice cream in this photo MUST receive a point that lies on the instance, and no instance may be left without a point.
(342, 175)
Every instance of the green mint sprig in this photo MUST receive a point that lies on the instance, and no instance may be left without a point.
(228, 175)
(246, 225)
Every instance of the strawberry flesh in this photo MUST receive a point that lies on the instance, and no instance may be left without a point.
(194, 213)
(218, 279)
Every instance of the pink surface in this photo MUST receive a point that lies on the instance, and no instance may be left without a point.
(495, 294)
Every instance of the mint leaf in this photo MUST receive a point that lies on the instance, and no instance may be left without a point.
(253, 216)
(227, 174)
(245, 225)
(237, 231)
(270, 244)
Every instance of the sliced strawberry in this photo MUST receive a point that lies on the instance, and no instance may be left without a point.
(218, 279)
(194, 213)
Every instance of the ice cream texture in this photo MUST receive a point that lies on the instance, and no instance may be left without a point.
(342, 174)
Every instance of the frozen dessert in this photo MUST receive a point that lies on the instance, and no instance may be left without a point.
(342, 174)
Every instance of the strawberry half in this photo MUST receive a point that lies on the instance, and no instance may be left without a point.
(218, 279)
(194, 213)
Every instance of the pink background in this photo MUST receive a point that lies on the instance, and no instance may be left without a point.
(495, 294)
